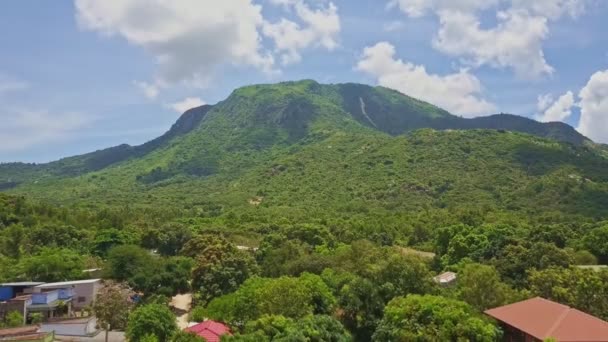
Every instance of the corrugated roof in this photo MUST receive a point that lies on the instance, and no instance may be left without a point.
(67, 283)
(210, 330)
(542, 319)
(22, 283)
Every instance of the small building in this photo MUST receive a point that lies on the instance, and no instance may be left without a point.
(211, 331)
(538, 319)
(446, 278)
(11, 290)
(83, 291)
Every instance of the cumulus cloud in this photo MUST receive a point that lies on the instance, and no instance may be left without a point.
(191, 38)
(594, 107)
(24, 128)
(516, 40)
(187, 103)
(459, 93)
(555, 110)
(321, 28)
(187, 37)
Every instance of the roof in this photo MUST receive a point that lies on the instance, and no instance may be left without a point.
(210, 330)
(22, 283)
(67, 283)
(445, 277)
(542, 319)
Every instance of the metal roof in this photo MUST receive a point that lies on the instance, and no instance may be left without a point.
(542, 318)
(22, 283)
(67, 283)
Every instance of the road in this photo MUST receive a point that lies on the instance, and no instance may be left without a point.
(182, 303)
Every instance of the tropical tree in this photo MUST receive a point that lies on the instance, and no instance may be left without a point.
(433, 318)
(151, 319)
(112, 306)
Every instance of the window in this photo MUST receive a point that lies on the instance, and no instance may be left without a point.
(82, 299)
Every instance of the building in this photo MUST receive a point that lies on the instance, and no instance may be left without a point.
(446, 278)
(83, 291)
(49, 299)
(538, 319)
(211, 331)
(11, 290)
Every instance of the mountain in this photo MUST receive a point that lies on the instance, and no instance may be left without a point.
(297, 147)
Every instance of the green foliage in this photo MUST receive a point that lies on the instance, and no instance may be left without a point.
(14, 319)
(431, 318)
(183, 336)
(584, 289)
(152, 319)
(112, 305)
(219, 268)
(480, 286)
(318, 328)
(52, 265)
(36, 317)
(286, 296)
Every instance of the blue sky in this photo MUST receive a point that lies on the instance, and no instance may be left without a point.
(77, 76)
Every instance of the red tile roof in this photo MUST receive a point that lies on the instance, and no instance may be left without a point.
(210, 330)
(542, 319)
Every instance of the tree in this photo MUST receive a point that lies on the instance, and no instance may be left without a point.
(220, 270)
(106, 239)
(584, 289)
(432, 318)
(53, 264)
(183, 336)
(319, 328)
(287, 296)
(596, 241)
(481, 287)
(151, 319)
(167, 240)
(112, 306)
(124, 261)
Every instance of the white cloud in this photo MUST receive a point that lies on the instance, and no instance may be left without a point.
(150, 90)
(594, 107)
(187, 103)
(418, 8)
(190, 39)
(555, 110)
(322, 26)
(516, 40)
(552, 9)
(24, 128)
(459, 93)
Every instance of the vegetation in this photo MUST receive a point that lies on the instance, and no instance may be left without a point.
(151, 321)
(112, 306)
(293, 215)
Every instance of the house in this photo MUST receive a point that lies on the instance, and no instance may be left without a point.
(446, 278)
(49, 299)
(211, 331)
(538, 319)
(83, 292)
(11, 290)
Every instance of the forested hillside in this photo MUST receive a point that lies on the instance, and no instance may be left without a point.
(300, 210)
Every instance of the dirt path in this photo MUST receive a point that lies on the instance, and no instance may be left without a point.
(182, 303)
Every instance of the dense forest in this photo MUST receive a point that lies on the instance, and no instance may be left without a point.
(308, 212)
